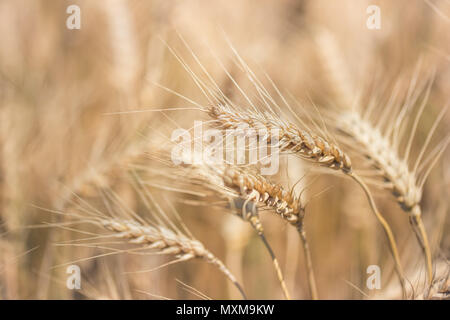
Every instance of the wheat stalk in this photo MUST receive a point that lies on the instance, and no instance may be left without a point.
(246, 187)
(165, 241)
(382, 148)
(402, 182)
(157, 232)
(283, 202)
(152, 236)
(258, 189)
(307, 145)
(235, 185)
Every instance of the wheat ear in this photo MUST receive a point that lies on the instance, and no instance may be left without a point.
(253, 188)
(165, 241)
(307, 145)
(232, 183)
(256, 188)
(400, 180)
(156, 232)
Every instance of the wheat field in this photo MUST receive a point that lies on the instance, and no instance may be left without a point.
(350, 97)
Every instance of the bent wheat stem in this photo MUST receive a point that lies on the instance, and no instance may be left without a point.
(416, 222)
(276, 266)
(252, 216)
(387, 230)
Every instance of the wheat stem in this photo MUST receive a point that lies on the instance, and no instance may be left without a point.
(400, 180)
(419, 229)
(309, 265)
(387, 230)
(276, 266)
(253, 218)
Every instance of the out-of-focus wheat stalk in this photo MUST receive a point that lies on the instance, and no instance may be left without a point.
(380, 142)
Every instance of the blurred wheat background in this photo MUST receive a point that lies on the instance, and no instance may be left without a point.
(66, 138)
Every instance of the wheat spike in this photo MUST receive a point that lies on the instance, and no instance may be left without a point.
(256, 188)
(399, 179)
(242, 189)
(284, 203)
(160, 239)
(290, 138)
(165, 241)
(156, 232)
(246, 187)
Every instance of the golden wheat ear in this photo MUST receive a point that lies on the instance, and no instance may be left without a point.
(247, 190)
(380, 138)
(166, 241)
(259, 190)
(154, 234)
(287, 206)
(292, 210)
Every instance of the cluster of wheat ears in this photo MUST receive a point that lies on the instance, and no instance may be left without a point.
(373, 149)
